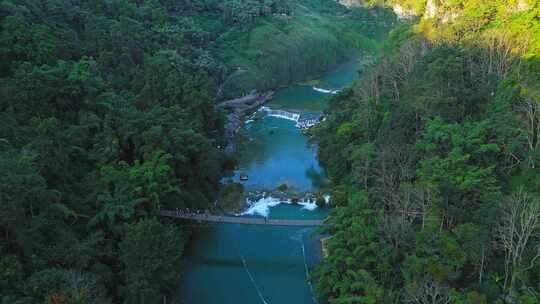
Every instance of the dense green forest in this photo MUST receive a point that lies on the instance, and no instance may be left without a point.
(433, 157)
(283, 49)
(107, 113)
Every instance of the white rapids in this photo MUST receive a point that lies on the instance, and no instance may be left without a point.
(281, 114)
(262, 206)
(292, 116)
(326, 91)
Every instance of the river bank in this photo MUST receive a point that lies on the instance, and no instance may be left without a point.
(276, 123)
(238, 109)
(232, 263)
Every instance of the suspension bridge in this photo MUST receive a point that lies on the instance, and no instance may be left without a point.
(207, 217)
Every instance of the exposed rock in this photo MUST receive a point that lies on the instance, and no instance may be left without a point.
(324, 246)
(232, 126)
(248, 102)
(403, 13)
(238, 108)
(431, 9)
(449, 17)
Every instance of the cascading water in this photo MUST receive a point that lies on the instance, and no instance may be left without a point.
(281, 114)
(242, 264)
(262, 206)
(301, 122)
(325, 91)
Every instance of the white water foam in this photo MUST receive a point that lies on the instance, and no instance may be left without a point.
(281, 114)
(308, 205)
(327, 199)
(262, 206)
(306, 124)
(325, 91)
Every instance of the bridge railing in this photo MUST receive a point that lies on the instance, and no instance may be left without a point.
(207, 217)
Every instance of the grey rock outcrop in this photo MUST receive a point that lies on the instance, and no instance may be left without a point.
(237, 109)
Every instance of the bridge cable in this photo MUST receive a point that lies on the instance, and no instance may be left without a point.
(307, 274)
(251, 278)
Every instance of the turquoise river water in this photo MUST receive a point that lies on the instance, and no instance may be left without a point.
(244, 264)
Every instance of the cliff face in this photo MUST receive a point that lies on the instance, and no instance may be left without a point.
(238, 108)
(406, 12)
(431, 9)
(402, 12)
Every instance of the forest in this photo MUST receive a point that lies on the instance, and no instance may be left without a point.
(433, 159)
(107, 114)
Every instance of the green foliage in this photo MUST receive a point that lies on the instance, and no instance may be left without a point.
(320, 200)
(232, 196)
(152, 254)
(107, 114)
(134, 191)
(11, 276)
(47, 282)
(280, 48)
(105, 119)
(436, 133)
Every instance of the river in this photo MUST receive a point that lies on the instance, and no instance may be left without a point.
(242, 264)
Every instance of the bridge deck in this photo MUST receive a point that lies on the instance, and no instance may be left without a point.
(241, 220)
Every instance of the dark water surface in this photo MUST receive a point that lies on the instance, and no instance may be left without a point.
(242, 264)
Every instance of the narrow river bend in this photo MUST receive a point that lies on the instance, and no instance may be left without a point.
(243, 264)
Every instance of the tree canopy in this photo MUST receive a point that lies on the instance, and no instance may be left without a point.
(432, 155)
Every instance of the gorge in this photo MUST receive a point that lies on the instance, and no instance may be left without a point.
(412, 127)
(268, 264)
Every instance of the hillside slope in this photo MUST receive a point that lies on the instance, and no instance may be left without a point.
(433, 157)
(108, 114)
(282, 47)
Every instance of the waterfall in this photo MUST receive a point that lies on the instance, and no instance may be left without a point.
(304, 122)
(321, 90)
(308, 123)
(281, 114)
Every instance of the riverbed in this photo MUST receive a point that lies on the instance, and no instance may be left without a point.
(242, 264)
